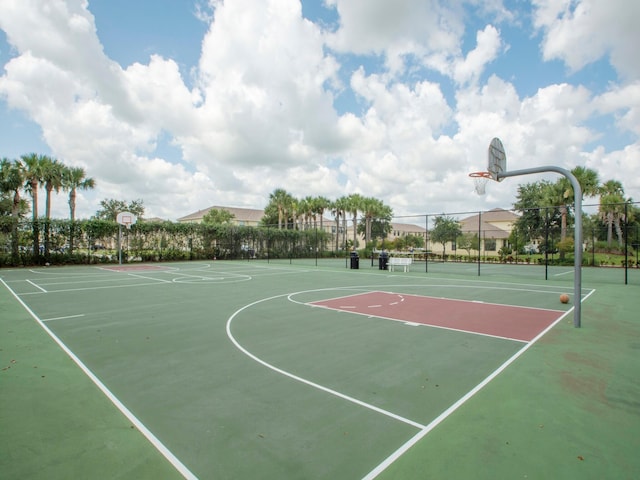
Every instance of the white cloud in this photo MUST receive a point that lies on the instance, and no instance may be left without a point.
(583, 31)
(488, 46)
(261, 114)
(395, 29)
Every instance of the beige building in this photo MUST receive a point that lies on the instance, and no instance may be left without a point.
(247, 217)
(493, 227)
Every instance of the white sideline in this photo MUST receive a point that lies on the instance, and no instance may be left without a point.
(177, 464)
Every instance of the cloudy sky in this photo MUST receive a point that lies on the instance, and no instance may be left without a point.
(191, 103)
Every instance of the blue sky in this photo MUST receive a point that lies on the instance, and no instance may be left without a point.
(188, 104)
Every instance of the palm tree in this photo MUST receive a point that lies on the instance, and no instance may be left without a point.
(354, 205)
(34, 172)
(52, 178)
(611, 209)
(338, 209)
(73, 179)
(372, 208)
(320, 204)
(561, 193)
(307, 209)
(283, 201)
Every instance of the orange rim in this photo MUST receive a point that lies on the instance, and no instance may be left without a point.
(480, 175)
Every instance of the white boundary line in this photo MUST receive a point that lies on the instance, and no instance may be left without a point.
(37, 286)
(62, 318)
(178, 465)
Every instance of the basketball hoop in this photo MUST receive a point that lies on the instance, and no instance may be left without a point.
(480, 180)
(127, 219)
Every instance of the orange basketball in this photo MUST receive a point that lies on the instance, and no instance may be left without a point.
(564, 298)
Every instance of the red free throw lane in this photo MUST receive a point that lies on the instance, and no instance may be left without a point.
(517, 323)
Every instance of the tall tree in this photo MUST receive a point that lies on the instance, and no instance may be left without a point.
(561, 194)
(320, 204)
(611, 209)
(354, 205)
(530, 198)
(73, 179)
(52, 179)
(109, 208)
(373, 208)
(282, 200)
(339, 210)
(34, 173)
(305, 209)
(445, 229)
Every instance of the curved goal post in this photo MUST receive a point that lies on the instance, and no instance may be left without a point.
(497, 170)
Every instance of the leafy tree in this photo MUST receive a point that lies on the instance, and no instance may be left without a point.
(468, 241)
(215, 216)
(11, 182)
(445, 229)
(109, 208)
(415, 241)
(531, 196)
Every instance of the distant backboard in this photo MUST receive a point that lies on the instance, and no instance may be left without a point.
(126, 218)
(497, 159)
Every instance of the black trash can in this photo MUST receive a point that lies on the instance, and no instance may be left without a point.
(383, 260)
(355, 261)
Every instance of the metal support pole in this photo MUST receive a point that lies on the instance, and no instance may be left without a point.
(426, 244)
(577, 234)
(479, 241)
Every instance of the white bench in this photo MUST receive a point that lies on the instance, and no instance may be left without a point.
(403, 262)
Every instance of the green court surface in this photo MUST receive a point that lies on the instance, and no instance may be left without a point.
(311, 370)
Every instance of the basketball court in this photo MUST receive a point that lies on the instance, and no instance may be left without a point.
(260, 369)
(269, 370)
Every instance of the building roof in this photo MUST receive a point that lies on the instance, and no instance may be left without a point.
(239, 214)
(407, 227)
(496, 223)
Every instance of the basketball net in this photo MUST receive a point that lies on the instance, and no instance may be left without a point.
(480, 180)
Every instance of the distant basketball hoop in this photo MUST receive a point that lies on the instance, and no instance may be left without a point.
(127, 219)
(496, 164)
